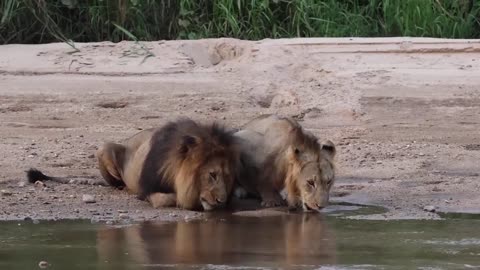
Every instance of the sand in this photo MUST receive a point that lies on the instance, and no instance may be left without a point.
(403, 112)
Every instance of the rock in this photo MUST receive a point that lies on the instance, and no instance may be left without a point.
(109, 222)
(5, 192)
(430, 208)
(122, 211)
(21, 184)
(40, 184)
(123, 216)
(43, 264)
(86, 198)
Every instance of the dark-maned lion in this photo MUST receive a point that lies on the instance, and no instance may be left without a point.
(279, 157)
(182, 164)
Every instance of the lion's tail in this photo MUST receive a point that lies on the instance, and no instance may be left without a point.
(34, 175)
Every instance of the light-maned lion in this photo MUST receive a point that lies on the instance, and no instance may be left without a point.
(182, 164)
(279, 157)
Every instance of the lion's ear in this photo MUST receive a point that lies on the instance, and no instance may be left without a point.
(328, 148)
(187, 143)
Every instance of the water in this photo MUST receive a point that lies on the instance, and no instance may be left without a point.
(298, 241)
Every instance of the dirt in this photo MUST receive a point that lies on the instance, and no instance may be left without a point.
(404, 114)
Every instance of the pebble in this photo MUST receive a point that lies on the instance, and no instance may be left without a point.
(86, 198)
(40, 184)
(43, 264)
(430, 208)
(6, 192)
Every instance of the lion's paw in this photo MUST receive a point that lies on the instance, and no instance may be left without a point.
(272, 202)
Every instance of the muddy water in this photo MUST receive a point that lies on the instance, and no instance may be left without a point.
(296, 241)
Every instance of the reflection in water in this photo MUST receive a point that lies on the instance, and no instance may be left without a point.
(241, 241)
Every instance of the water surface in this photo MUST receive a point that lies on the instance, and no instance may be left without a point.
(296, 241)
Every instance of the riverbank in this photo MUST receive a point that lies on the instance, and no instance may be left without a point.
(403, 112)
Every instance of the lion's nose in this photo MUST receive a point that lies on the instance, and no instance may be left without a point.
(319, 206)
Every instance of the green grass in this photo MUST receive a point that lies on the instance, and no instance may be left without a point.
(41, 21)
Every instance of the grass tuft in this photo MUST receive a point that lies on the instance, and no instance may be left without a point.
(41, 21)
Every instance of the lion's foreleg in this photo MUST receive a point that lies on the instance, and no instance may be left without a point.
(159, 199)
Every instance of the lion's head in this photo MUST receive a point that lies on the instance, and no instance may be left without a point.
(312, 176)
(216, 183)
(206, 162)
(309, 172)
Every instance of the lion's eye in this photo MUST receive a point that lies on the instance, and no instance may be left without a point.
(213, 176)
(311, 183)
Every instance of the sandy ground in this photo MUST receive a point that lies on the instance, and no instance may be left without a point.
(404, 113)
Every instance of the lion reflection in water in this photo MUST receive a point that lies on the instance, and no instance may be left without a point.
(274, 241)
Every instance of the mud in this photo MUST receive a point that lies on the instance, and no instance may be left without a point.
(403, 112)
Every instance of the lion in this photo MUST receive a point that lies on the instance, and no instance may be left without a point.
(182, 164)
(282, 161)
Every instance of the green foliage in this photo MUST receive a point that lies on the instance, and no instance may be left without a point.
(40, 21)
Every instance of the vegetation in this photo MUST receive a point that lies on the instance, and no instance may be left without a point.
(40, 21)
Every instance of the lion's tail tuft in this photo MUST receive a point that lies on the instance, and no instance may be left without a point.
(34, 175)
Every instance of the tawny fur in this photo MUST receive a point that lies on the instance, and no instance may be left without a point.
(278, 154)
(193, 161)
(183, 163)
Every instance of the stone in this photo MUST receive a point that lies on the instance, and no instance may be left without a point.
(5, 192)
(40, 184)
(43, 264)
(123, 216)
(86, 198)
(430, 208)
